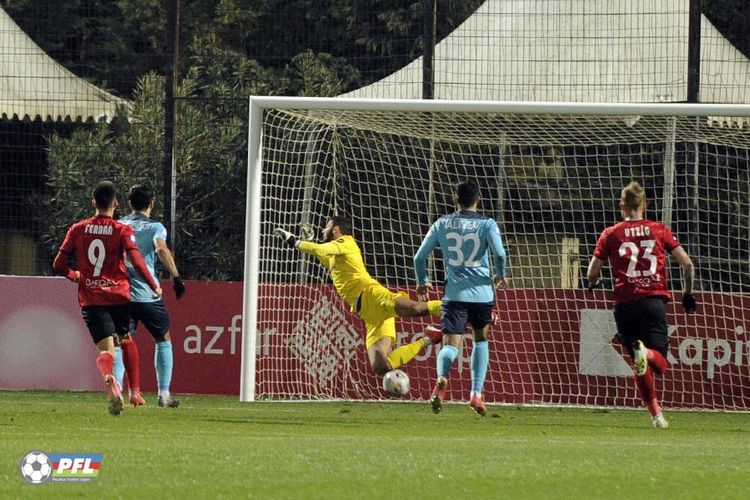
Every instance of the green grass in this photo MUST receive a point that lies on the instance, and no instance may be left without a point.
(215, 447)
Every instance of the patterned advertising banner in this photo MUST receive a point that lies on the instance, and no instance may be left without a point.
(550, 346)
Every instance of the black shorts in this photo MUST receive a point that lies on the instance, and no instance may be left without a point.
(644, 320)
(455, 315)
(154, 317)
(106, 321)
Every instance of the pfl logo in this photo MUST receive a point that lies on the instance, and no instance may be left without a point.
(38, 467)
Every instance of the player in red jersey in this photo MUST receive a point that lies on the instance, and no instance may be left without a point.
(101, 245)
(636, 249)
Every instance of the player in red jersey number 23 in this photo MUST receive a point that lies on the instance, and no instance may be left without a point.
(636, 249)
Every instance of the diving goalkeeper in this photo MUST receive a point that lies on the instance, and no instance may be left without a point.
(371, 301)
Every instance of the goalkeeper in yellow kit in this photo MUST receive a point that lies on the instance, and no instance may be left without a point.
(371, 301)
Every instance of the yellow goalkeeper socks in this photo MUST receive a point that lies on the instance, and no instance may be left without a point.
(434, 306)
(406, 353)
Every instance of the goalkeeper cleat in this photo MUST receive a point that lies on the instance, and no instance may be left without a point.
(477, 404)
(659, 421)
(640, 358)
(114, 394)
(434, 333)
(438, 395)
(136, 398)
(169, 402)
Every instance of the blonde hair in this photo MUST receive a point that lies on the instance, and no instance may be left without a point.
(633, 196)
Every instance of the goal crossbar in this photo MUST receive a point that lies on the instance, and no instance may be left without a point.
(526, 107)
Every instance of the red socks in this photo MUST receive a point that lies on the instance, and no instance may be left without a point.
(105, 361)
(647, 389)
(132, 363)
(657, 361)
(646, 383)
(653, 407)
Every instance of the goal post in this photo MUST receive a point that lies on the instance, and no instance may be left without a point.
(550, 173)
(252, 261)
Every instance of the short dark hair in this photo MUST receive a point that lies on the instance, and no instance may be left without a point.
(467, 193)
(104, 194)
(345, 226)
(140, 196)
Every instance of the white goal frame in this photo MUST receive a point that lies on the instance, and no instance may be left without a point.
(257, 104)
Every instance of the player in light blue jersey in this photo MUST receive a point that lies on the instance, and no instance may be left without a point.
(465, 238)
(151, 238)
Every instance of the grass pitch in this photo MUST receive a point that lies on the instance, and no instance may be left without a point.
(216, 447)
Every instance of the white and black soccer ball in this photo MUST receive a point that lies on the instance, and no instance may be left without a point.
(396, 383)
(36, 467)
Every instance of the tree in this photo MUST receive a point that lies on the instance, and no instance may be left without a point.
(211, 168)
(375, 37)
(113, 42)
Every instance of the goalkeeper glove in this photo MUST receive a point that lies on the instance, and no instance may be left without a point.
(688, 303)
(308, 234)
(288, 237)
(179, 287)
(594, 284)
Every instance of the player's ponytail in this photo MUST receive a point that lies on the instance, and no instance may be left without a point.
(633, 196)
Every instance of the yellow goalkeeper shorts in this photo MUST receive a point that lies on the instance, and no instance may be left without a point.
(378, 310)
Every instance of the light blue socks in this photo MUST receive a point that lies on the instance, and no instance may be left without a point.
(445, 359)
(480, 356)
(119, 367)
(163, 365)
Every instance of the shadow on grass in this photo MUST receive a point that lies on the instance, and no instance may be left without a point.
(316, 421)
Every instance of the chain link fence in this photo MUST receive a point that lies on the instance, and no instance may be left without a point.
(83, 90)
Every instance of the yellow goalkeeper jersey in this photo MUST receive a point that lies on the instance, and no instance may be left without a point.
(343, 258)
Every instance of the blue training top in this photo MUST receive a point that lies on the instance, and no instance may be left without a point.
(146, 232)
(464, 237)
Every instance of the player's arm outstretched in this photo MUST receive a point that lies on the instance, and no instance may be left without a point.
(287, 237)
(323, 251)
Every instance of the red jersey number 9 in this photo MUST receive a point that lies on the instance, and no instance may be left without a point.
(96, 255)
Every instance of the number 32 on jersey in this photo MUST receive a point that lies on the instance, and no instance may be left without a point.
(456, 254)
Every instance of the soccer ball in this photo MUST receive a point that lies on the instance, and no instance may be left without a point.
(396, 383)
(36, 467)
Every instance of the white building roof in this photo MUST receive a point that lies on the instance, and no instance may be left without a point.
(33, 85)
(575, 51)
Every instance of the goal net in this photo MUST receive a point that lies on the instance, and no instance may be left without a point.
(551, 175)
